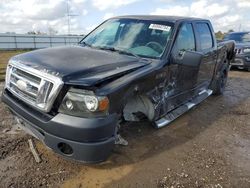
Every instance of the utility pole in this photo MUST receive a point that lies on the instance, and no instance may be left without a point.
(69, 16)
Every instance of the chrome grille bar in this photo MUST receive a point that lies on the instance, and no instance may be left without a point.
(27, 91)
(25, 79)
(33, 86)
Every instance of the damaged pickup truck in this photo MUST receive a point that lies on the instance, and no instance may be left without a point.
(74, 98)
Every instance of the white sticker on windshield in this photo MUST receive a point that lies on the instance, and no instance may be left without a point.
(159, 27)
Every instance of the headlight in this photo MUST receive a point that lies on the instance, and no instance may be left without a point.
(246, 50)
(91, 103)
(83, 103)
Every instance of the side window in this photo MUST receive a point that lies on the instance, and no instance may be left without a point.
(204, 33)
(185, 39)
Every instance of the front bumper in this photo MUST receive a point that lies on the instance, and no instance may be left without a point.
(81, 139)
(241, 61)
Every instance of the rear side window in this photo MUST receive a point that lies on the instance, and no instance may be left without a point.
(205, 36)
(185, 39)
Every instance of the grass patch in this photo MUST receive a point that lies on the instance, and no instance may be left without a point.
(6, 55)
(2, 71)
(3, 66)
(4, 58)
(2, 77)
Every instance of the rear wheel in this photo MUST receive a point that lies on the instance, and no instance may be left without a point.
(220, 83)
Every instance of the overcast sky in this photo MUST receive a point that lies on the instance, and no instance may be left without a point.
(21, 16)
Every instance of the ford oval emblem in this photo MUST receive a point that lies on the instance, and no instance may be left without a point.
(22, 85)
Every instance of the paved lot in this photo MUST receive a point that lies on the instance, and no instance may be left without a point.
(207, 147)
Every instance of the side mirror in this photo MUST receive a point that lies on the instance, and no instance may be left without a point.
(180, 54)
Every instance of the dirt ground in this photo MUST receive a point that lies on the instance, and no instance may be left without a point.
(207, 147)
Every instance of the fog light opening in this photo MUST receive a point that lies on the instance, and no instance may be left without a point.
(65, 148)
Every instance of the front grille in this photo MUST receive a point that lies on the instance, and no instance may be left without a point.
(238, 62)
(32, 82)
(34, 87)
(237, 51)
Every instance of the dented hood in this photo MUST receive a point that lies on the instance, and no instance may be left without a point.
(81, 65)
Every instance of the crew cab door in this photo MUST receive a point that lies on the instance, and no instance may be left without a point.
(206, 46)
(184, 64)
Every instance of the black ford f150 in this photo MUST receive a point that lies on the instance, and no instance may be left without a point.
(74, 98)
(242, 49)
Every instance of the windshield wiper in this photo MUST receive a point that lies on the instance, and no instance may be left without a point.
(129, 53)
(106, 48)
(86, 44)
(121, 51)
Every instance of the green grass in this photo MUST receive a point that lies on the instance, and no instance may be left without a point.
(4, 58)
(2, 70)
(2, 74)
(3, 66)
(2, 77)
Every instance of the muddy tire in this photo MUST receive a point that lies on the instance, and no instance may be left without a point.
(220, 84)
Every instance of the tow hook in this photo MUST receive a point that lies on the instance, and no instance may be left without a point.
(119, 140)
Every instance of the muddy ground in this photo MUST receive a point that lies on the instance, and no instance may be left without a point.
(207, 147)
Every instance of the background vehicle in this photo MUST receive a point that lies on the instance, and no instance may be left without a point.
(129, 67)
(242, 49)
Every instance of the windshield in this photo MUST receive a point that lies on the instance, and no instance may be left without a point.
(238, 37)
(135, 37)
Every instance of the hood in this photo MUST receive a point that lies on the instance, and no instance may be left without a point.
(81, 65)
(242, 45)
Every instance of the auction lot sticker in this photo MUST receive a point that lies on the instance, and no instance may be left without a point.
(159, 27)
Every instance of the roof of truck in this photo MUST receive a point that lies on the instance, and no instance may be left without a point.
(160, 18)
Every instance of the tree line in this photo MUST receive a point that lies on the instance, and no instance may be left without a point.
(220, 35)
